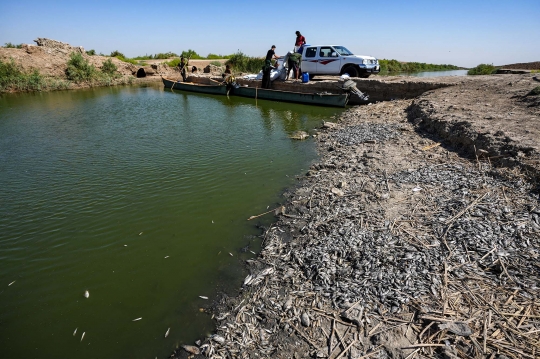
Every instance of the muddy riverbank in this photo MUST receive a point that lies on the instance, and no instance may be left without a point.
(415, 235)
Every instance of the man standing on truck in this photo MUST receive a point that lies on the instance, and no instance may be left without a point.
(300, 41)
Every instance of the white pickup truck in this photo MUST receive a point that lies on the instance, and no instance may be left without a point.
(336, 60)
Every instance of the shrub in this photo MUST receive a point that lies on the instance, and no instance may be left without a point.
(216, 63)
(117, 53)
(109, 68)
(482, 69)
(79, 69)
(12, 46)
(243, 63)
(191, 54)
(394, 66)
(91, 52)
(12, 78)
(164, 56)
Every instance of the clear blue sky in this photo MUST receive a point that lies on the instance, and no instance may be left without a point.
(463, 33)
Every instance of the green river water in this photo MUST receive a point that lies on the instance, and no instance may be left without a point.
(140, 196)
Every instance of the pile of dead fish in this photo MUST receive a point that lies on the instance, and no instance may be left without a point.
(334, 247)
(368, 132)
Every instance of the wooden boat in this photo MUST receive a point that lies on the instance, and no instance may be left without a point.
(320, 99)
(195, 87)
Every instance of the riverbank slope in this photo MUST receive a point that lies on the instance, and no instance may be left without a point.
(416, 234)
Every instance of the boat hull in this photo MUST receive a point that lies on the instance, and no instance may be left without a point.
(320, 99)
(194, 87)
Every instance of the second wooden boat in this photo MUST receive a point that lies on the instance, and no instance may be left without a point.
(195, 87)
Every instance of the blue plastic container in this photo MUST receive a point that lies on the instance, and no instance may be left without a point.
(305, 77)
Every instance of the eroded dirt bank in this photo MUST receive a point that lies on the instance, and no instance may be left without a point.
(415, 235)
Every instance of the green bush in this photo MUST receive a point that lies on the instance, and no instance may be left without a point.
(173, 63)
(79, 69)
(482, 69)
(395, 66)
(13, 79)
(109, 68)
(117, 53)
(216, 63)
(165, 56)
(191, 55)
(91, 52)
(243, 63)
(12, 46)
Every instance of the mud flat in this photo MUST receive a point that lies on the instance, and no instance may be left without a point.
(415, 235)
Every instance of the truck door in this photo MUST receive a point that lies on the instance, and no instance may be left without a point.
(309, 60)
(329, 61)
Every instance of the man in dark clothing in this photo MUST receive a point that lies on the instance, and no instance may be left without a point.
(300, 41)
(266, 82)
(182, 65)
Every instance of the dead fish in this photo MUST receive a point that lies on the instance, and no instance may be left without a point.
(11, 283)
(134, 320)
(203, 297)
(416, 189)
(248, 279)
(82, 337)
(191, 349)
(166, 256)
(167, 332)
(75, 332)
(140, 234)
(86, 294)
(231, 254)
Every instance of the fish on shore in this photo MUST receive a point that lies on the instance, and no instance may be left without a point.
(82, 337)
(75, 332)
(167, 332)
(86, 294)
(11, 283)
(134, 320)
(203, 297)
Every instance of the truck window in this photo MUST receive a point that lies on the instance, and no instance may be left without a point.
(311, 52)
(325, 51)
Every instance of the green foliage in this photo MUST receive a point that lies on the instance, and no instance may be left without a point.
(192, 55)
(394, 66)
(117, 53)
(91, 52)
(215, 57)
(109, 68)
(9, 45)
(13, 79)
(216, 63)
(79, 69)
(482, 69)
(167, 55)
(243, 63)
(173, 63)
(534, 92)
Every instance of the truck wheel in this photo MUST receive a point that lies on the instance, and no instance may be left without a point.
(351, 70)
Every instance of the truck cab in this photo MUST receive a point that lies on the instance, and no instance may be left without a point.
(337, 60)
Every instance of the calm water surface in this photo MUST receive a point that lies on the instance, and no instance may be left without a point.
(140, 196)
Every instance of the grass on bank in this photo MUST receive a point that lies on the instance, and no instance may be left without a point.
(12, 78)
(395, 66)
(79, 70)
